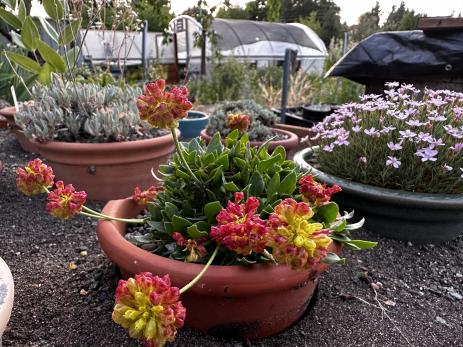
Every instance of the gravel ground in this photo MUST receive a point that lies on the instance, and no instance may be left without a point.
(421, 287)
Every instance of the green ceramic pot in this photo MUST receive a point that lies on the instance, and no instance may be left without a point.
(397, 214)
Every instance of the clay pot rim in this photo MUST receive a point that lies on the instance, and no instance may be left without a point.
(398, 197)
(8, 111)
(290, 142)
(251, 279)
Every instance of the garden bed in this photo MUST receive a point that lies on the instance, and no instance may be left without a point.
(422, 287)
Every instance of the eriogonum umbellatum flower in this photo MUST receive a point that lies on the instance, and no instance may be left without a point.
(64, 202)
(34, 178)
(195, 247)
(149, 308)
(316, 193)
(296, 241)
(238, 121)
(240, 228)
(143, 197)
(161, 108)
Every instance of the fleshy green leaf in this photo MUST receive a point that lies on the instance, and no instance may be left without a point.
(273, 185)
(54, 9)
(328, 212)
(10, 18)
(339, 225)
(25, 62)
(264, 165)
(44, 76)
(211, 210)
(51, 56)
(69, 33)
(194, 232)
(288, 185)
(361, 244)
(257, 184)
(30, 34)
(222, 161)
(333, 258)
(180, 224)
(16, 38)
(231, 186)
(280, 150)
(215, 145)
(170, 210)
(51, 32)
(22, 11)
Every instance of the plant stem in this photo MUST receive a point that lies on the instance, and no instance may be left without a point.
(198, 276)
(182, 158)
(102, 216)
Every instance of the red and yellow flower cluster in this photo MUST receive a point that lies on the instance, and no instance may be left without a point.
(63, 202)
(315, 193)
(142, 197)
(238, 121)
(195, 247)
(163, 109)
(240, 229)
(149, 308)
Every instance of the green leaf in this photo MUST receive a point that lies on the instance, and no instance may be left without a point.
(231, 186)
(333, 258)
(232, 138)
(194, 232)
(157, 226)
(10, 18)
(339, 226)
(44, 76)
(25, 62)
(169, 228)
(180, 224)
(170, 210)
(222, 161)
(215, 145)
(211, 210)
(10, 3)
(155, 211)
(51, 56)
(182, 174)
(264, 165)
(280, 150)
(328, 212)
(288, 185)
(361, 244)
(51, 32)
(22, 11)
(54, 9)
(16, 38)
(257, 184)
(272, 186)
(69, 33)
(70, 58)
(30, 34)
(240, 163)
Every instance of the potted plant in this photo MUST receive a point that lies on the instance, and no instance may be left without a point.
(6, 295)
(192, 125)
(242, 234)
(247, 115)
(94, 136)
(398, 159)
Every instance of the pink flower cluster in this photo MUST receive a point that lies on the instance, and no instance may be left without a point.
(315, 193)
(142, 197)
(195, 247)
(161, 108)
(238, 121)
(35, 178)
(149, 308)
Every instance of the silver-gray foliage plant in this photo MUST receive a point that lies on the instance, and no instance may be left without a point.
(262, 119)
(77, 112)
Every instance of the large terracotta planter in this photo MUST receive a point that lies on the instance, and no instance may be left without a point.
(290, 143)
(6, 296)
(241, 301)
(397, 214)
(108, 171)
(27, 145)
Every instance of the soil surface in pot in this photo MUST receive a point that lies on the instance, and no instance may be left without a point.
(421, 287)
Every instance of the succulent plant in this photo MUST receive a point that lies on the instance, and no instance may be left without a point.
(83, 112)
(262, 119)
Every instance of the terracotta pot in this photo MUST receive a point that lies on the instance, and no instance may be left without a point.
(289, 144)
(240, 301)
(26, 144)
(108, 170)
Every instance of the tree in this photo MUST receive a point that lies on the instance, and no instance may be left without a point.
(312, 22)
(273, 10)
(401, 18)
(232, 12)
(368, 23)
(256, 9)
(156, 12)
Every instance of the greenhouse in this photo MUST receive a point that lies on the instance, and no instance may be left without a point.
(262, 43)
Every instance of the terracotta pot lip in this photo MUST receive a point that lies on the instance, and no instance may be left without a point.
(8, 111)
(66, 146)
(399, 197)
(292, 137)
(244, 276)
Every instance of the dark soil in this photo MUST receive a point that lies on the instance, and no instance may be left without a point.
(420, 286)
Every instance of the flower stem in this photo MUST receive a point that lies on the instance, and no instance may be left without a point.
(102, 216)
(203, 271)
(180, 154)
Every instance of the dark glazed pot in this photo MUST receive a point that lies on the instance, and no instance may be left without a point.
(240, 301)
(108, 171)
(316, 113)
(397, 214)
(290, 143)
(192, 125)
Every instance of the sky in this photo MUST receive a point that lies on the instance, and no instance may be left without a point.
(350, 9)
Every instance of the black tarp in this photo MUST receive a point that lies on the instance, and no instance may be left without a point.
(400, 55)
